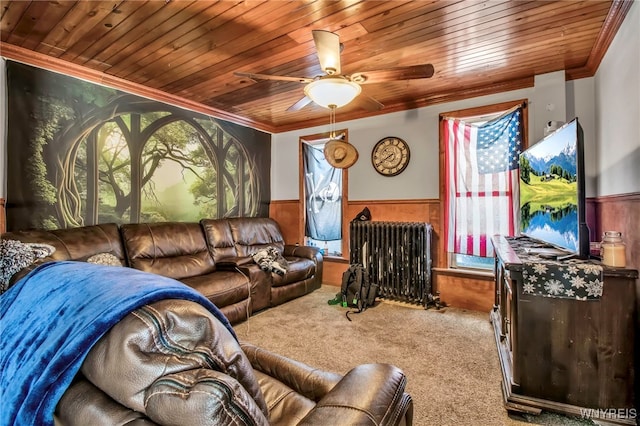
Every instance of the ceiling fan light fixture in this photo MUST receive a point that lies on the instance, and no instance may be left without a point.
(332, 90)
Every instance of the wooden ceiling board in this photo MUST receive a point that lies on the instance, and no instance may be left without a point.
(190, 38)
(186, 51)
(164, 41)
(38, 28)
(77, 20)
(109, 50)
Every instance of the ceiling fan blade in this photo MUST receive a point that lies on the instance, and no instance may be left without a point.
(300, 104)
(254, 77)
(328, 49)
(393, 74)
(367, 102)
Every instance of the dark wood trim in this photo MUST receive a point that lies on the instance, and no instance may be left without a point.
(617, 212)
(3, 220)
(50, 63)
(469, 112)
(284, 201)
(405, 201)
(632, 196)
(345, 183)
(612, 23)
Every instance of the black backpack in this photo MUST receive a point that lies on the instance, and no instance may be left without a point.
(357, 291)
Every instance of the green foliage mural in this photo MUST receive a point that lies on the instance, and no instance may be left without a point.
(81, 154)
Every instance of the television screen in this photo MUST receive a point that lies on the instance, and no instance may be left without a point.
(552, 203)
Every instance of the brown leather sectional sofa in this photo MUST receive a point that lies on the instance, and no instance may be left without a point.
(213, 256)
(172, 362)
(168, 372)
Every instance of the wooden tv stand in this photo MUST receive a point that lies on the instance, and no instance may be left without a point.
(566, 355)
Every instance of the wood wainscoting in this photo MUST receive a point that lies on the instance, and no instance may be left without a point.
(466, 291)
(619, 213)
(3, 221)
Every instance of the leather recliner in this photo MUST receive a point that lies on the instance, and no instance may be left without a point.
(174, 363)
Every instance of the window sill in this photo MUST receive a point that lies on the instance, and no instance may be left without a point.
(452, 272)
(335, 259)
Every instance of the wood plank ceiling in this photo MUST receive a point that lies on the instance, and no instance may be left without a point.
(186, 52)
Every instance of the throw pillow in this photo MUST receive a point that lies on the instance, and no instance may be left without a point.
(107, 259)
(16, 255)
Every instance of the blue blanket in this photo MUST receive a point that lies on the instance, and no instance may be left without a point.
(51, 318)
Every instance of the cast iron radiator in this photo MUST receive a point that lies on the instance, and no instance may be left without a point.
(397, 257)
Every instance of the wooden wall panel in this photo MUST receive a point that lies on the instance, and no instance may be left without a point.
(333, 270)
(3, 224)
(455, 289)
(287, 214)
(421, 210)
(620, 213)
(476, 293)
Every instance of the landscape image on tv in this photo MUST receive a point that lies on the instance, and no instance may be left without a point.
(549, 189)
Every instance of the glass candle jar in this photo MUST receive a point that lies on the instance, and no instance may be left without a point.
(612, 249)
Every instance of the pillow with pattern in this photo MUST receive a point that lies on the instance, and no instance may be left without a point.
(108, 259)
(16, 255)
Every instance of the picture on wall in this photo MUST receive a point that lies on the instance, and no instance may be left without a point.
(80, 154)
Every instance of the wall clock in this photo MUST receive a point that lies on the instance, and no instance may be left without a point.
(390, 156)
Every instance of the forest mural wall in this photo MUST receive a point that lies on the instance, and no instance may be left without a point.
(79, 154)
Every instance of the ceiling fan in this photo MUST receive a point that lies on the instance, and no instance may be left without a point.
(333, 89)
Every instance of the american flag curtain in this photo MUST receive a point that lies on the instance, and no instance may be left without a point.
(481, 181)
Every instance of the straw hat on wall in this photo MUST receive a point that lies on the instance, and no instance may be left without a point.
(339, 154)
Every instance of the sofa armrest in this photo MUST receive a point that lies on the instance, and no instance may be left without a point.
(307, 252)
(234, 262)
(368, 394)
(310, 382)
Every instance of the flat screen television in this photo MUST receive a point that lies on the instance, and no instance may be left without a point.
(552, 194)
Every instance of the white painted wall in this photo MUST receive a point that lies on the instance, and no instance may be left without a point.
(580, 95)
(418, 127)
(617, 100)
(550, 102)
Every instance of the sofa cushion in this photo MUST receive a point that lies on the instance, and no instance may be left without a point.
(75, 243)
(253, 234)
(218, 235)
(299, 269)
(173, 249)
(286, 406)
(221, 287)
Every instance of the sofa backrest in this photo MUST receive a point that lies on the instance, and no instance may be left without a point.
(173, 249)
(75, 243)
(218, 235)
(254, 233)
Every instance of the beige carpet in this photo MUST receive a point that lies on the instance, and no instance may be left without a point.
(449, 356)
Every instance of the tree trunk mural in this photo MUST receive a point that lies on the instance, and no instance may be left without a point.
(94, 155)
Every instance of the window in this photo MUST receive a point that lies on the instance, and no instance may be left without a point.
(480, 180)
(322, 187)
